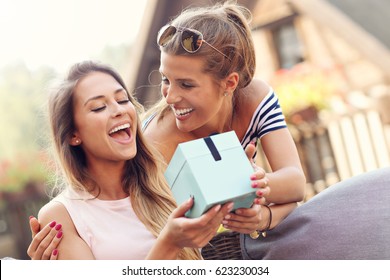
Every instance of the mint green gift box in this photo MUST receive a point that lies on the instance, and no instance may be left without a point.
(214, 170)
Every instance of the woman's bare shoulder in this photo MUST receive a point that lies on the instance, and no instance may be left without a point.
(256, 90)
(251, 96)
(54, 211)
(160, 129)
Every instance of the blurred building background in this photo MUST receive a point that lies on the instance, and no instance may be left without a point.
(329, 62)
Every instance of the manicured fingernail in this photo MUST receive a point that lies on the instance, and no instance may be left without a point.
(254, 184)
(58, 227)
(31, 217)
(55, 252)
(259, 193)
(59, 234)
(52, 224)
(230, 206)
(253, 177)
(227, 217)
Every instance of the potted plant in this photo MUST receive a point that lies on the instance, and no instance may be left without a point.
(304, 90)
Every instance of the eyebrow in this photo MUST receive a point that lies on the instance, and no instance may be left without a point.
(180, 80)
(186, 80)
(102, 96)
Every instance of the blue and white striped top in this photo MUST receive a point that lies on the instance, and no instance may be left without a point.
(267, 117)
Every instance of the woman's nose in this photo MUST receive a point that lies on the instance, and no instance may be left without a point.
(117, 110)
(172, 95)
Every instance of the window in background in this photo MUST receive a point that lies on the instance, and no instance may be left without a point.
(287, 45)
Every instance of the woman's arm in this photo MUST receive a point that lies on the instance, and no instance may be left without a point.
(286, 177)
(287, 180)
(279, 212)
(247, 220)
(286, 183)
(72, 246)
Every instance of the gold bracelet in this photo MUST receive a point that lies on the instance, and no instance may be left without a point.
(256, 233)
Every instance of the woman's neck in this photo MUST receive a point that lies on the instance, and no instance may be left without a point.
(108, 177)
(223, 122)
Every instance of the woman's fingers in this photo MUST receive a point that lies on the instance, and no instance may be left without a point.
(54, 255)
(37, 238)
(244, 220)
(250, 151)
(34, 226)
(182, 208)
(261, 183)
(196, 232)
(210, 222)
(215, 214)
(52, 252)
(44, 242)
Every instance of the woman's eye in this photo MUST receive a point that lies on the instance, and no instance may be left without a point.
(164, 80)
(186, 85)
(124, 101)
(98, 109)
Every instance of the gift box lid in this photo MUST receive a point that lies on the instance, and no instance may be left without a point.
(199, 148)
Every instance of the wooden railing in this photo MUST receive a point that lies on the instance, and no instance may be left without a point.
(339, 148)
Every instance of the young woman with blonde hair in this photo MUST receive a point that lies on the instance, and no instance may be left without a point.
(208, 86)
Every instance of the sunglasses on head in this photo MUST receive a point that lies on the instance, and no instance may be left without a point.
(191, 40)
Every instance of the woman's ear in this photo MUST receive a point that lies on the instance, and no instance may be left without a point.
(231, 82)
(74, 141)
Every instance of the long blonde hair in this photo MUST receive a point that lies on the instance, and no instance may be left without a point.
(143, 178)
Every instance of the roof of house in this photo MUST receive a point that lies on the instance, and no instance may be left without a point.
(373, 16)
(360, 23)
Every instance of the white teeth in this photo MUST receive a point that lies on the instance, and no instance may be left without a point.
(181, 112)
(123, 126)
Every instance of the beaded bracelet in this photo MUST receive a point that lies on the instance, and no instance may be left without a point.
(256, 233)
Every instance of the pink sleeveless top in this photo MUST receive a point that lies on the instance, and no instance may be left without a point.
(110, 227)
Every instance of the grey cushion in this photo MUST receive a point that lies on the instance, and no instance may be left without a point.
(348, 221)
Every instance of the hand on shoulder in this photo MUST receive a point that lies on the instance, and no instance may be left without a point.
(72, 246)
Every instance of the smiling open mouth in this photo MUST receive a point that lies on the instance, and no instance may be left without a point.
(121, 132)
(182, 112)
